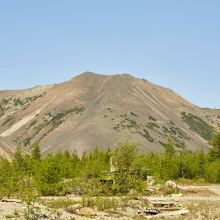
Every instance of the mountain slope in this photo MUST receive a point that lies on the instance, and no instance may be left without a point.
(7, 148)
(93, 109)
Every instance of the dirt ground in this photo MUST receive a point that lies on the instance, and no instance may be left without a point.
(203, 202)
(193, 202)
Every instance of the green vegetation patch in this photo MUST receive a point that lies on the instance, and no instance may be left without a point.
(152, 118)
(31, 124)
(165, 130)
(37, 130)
(18, 101)
(147, 135)
(180, 133)
(33, 98)
(3, 104)
(57, 119)
(116, 128)
(163, 144)
(49, 125)
(6, 101)
(178, 143)
(132, 123)
(133, 114)
(74, 110)
(8, 119)
(25, 103)
(199, 126)
(171, 122)
(159, 133)
(175, 131)
(1, 113)
(151, 125)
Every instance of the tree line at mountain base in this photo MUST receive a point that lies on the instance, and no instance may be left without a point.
(29, 176)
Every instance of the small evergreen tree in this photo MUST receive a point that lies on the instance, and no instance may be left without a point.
(126, 154)
(170, 168)
(214, 151)
(18, 157)
(169, 148)
(36, 152)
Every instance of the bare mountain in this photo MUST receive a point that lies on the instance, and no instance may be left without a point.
(93, 109)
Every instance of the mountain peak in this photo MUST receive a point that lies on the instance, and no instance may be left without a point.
(93, 109)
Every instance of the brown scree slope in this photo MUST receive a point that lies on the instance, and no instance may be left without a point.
(93, 109)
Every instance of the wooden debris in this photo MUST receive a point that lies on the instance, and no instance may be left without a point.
(164, 203)
(152, 211)
(170, 209)
(11, 200)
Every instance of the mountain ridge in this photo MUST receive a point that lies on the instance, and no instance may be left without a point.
(93, 109)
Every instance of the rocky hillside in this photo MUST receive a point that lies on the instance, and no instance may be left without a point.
(93, 109)
(7, 148)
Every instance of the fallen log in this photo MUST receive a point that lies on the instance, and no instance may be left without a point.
(164, 203)
(152, 211)
(170, 209)
(11, 200)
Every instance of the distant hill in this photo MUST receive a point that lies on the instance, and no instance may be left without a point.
(93, 109)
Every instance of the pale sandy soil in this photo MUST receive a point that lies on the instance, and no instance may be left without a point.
(202, 202)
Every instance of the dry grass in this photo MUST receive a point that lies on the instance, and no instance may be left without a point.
(199, 193)
(192, 192)
(203, 209)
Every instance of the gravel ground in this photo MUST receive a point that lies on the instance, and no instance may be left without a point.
(18, 211)
(201, 205)
(15, 210)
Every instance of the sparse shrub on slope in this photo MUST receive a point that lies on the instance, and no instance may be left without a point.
(48, 126)
(7, 120)
(199, 126)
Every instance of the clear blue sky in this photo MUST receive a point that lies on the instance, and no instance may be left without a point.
(175, 44)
